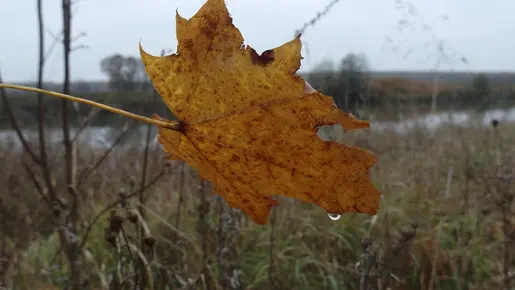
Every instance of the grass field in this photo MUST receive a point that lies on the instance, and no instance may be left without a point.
(446, 221)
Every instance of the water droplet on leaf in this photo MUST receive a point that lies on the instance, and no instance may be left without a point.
(334, 216)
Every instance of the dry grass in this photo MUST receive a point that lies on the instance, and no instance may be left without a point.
(446, 222)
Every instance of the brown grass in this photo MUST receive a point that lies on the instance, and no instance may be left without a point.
(446, 222)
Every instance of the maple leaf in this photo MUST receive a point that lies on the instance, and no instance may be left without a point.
(247, 125)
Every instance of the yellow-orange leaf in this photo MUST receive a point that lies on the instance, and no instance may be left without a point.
(249, 127)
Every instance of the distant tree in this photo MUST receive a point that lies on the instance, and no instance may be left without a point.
(352, 81)
(347, 85)
(481, 90)
(322, 76)
(124, 73)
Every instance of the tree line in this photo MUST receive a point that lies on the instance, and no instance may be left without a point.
(352, 86)
(125, 73)
(349, 82)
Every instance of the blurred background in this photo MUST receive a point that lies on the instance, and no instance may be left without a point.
(88, 201)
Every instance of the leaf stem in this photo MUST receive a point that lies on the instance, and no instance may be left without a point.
(165, 124)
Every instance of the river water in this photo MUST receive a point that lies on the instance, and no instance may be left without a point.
(102, 137)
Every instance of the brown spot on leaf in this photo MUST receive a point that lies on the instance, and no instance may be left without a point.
(265, 58)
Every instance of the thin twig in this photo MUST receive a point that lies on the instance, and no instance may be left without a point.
(271, 248)
(144, 168)
(317, 17)
(87, 171)
(86, 121)
(41, 106)
(38, 186)
(126, 240)
(181, 196)
(14, 123)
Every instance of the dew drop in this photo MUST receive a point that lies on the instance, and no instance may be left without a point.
(334, 216)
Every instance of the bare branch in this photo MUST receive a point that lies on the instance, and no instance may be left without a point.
(78, 47)
(38, 186)
(84, 174)
(41, 106)
(78, 36)
(14, 123)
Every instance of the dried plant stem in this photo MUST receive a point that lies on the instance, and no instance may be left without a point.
(181, 195)
(168, 124)
(317, 17)
(112, 205)
(271, 248)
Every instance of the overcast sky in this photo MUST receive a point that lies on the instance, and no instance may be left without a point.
(481, 31)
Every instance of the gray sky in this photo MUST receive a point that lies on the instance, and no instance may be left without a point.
(481, 31)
